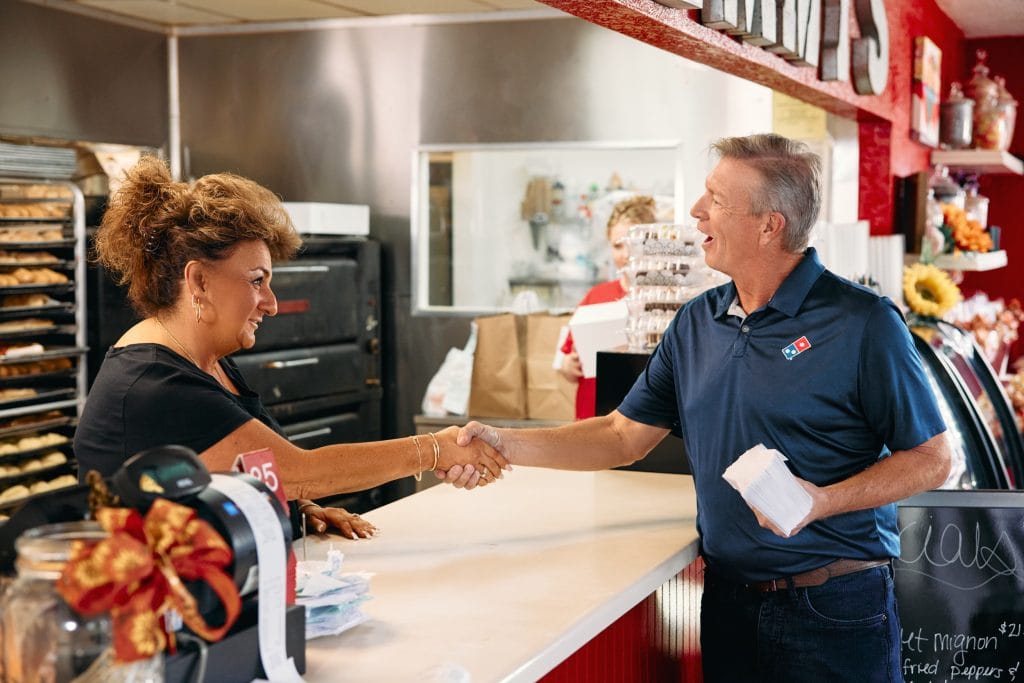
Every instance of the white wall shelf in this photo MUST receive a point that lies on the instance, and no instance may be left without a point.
(971, 260)
(988, 161)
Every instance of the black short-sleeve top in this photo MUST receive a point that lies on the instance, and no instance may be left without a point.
(145, 395)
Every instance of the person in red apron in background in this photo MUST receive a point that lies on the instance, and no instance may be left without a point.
(627, 213)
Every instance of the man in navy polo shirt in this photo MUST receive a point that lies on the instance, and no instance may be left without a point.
(792, 356)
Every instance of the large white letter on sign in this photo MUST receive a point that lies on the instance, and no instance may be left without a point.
(871, 51)
(835, 41)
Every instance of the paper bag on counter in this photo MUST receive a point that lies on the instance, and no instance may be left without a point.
(498, 388)
(549, 395)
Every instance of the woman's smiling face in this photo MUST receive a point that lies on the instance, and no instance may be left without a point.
(238, 288)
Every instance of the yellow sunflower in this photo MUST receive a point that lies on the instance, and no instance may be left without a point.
(928, 290)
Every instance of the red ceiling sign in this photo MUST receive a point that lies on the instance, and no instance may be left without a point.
(813, 33)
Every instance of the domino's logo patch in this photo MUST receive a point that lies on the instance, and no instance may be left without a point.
(796, 348)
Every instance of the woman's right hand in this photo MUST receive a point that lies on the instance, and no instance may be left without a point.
(571, 368)
(484, 457)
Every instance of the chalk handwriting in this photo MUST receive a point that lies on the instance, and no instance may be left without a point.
(953, 547)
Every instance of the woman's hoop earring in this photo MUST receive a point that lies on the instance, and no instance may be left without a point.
(198, 308)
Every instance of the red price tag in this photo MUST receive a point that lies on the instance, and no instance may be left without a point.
(261, 464)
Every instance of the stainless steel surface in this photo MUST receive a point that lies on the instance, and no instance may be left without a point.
(335, 115)
(74, 78)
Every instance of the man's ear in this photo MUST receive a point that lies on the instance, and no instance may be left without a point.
(774, 225)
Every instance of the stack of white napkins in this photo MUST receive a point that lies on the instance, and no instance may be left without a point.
(764, 481)
(332, 599)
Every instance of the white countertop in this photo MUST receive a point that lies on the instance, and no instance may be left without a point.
(503, 583)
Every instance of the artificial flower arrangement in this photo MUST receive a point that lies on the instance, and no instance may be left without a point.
(138, 572)
(963, 233)
(928, 291)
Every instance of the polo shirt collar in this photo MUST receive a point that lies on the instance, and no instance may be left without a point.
(794, 289)
(790, 295)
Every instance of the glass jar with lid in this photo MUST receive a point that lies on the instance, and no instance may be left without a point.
(945, 190)
(956, 119)
(975, 204)
(1007, 114)
(985, 93)
(44, 640)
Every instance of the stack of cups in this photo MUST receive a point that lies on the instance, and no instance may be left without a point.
(666, 269)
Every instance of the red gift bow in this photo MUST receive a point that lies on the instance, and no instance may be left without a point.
(136, 574)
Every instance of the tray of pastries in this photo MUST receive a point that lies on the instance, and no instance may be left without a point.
(40, 463)
(17, 370)
(33, 236)
(12, 397)
(21, 276)
(23, 326)
(18, 258)
(30, 444)
(34, 209)
(24, 303)
(16, 494)
(35, 422)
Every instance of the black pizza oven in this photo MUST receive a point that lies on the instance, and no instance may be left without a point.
(316, 364)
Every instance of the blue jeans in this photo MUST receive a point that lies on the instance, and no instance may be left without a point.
(846, 629)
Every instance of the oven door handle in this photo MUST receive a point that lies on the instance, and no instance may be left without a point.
(310, 434)
(283, 364)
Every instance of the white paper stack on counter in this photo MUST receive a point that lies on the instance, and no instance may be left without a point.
(764, 481)
(332, 599)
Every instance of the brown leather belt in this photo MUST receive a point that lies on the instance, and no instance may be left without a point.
(816, 577)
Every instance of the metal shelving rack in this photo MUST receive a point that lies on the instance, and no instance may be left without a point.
(60, 391)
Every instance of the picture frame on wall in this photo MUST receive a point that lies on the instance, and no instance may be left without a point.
(924, 98)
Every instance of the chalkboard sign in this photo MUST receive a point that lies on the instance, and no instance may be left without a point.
(960, 586)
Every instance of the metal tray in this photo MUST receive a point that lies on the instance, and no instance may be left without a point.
(47, 396)
(57, 307)
(53, 423)
(62, 288)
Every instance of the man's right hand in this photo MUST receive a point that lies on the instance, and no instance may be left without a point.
(468, 477)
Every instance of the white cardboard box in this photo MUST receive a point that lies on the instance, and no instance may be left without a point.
(322, 218)
(597, 327)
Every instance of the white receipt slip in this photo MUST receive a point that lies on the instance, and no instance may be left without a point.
(764, 481)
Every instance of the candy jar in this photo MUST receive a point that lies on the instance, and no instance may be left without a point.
(1007, 113)
(945, 190)
(985, 93)
(956, 119)
(975, 204)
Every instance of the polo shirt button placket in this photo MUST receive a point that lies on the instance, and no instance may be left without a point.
(740, 345)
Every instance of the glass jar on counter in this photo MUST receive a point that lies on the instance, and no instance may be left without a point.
(956, 120)
(945, 189)
(44, 640)
(976, 205)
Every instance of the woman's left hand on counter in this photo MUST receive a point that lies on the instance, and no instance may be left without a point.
(321, 519)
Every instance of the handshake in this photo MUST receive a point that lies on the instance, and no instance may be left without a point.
(474, 457)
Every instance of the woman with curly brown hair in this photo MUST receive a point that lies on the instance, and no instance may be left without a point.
(197, 261)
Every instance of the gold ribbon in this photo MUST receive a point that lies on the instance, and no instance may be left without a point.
(137, 574)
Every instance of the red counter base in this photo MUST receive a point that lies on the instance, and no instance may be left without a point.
(656, 641)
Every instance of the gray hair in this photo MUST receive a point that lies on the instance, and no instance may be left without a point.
(791, 181)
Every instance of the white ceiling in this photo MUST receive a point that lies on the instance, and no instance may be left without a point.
(977, 18)
(985, 18)
(164, 15)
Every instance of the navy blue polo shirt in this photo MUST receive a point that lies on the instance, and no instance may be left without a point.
(826, 373)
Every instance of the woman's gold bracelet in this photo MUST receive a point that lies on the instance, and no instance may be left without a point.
(437, 451)
(419, 460)
(309, 505)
